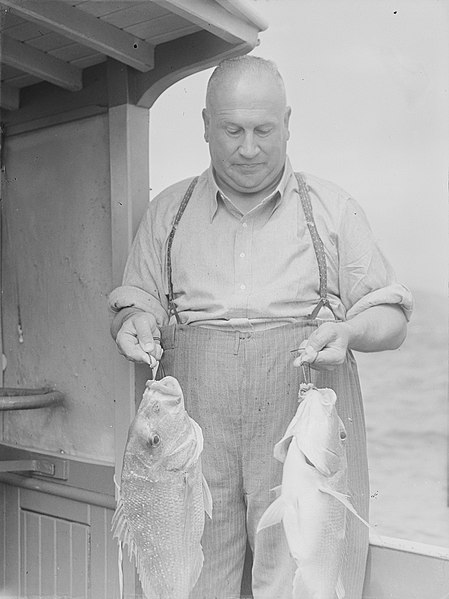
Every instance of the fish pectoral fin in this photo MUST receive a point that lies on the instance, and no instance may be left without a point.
(207, 498)
(272, 515)
(340, 589)
(344, 499)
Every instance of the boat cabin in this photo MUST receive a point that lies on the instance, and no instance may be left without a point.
(78, 80)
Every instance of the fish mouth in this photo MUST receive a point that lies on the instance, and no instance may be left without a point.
(168, 385)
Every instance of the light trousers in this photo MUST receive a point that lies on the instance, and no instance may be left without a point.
(242, 389)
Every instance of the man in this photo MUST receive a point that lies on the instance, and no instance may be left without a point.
(234, 271)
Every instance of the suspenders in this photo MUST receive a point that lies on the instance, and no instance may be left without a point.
(171, 303)
(318, 246)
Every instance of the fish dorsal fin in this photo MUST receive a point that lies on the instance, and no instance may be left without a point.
(122, 532)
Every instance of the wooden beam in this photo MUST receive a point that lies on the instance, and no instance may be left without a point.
(30, 60)
(214, 18)
(87, 30)
(9, 99)
(180, 58)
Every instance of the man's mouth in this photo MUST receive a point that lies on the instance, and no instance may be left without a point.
(250, 166)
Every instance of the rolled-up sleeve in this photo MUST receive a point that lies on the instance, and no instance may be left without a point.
(144, 287)
(366, 278)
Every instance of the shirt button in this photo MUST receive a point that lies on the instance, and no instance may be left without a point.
(242, 255)
(244, 225)
(243, 287)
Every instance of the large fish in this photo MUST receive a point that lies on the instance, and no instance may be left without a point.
(163, 495)
(312, 501)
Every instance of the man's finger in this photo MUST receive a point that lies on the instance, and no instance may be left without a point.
(128, 347)
(144, 325)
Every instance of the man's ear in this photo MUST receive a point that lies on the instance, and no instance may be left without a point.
(288, 112)
(206, 121)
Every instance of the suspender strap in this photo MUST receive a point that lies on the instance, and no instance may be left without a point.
(182, 207)
(318, 246)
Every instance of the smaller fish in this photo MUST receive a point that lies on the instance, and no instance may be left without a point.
(312, 501)
(163, 496)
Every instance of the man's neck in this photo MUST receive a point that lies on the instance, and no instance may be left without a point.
(245, 202)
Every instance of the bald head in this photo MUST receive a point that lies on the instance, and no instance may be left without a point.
(231, 73)
(246, 123)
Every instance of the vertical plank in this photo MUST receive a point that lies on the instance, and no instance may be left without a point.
(80, 557)
(63, 558)
(129, 137)
(112, 564)
(31, 543)
(13, 560)
(129, 160)
(104, 556)
(48, 556)
(2, 535)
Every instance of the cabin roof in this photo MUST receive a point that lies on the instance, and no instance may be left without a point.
(56, 40)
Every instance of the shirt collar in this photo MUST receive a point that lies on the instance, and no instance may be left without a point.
(279, 192)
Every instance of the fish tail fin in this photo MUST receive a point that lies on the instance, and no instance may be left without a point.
(207, 498)
(344, 499)
(272, 515)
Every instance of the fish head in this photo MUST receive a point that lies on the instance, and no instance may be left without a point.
(161, 427)
(321, 433)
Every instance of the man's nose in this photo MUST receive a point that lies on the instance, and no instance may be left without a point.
(249, 147)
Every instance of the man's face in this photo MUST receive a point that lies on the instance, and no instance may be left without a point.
(246, 126)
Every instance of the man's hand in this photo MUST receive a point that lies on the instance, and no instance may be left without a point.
(138, 339)
(326, 347)
(378, 328)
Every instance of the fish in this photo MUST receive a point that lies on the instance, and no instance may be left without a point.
(163, 496)
(312, 501)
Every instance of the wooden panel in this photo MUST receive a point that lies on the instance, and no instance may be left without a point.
(87, 30)
(125, 14)
(31, 552)
(2, 534)
(54, 556)
(52, 553)
(48, 557)
(164, 29)
(104, 556)
(12, 557)
(57, 265)
(403, 570)
(40, 64)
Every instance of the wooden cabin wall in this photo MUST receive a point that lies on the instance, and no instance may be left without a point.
(56, 276)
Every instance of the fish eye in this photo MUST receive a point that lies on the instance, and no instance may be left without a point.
(154, 440)
(343, 435)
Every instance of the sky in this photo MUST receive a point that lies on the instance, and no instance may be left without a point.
(368, 83)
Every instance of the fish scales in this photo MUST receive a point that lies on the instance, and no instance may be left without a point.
(163, 495)
(313, 502)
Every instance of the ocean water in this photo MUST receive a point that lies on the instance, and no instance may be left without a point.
(406, 406)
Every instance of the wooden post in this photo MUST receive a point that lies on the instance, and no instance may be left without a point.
(129, 149)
